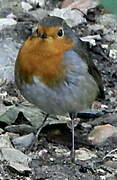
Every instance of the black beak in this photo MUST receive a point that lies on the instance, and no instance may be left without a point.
(43, 35)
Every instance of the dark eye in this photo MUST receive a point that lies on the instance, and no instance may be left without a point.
(60, 32)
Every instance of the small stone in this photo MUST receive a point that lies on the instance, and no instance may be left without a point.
(39, 14)
(1, 130)
(100, 133)
(8, 54)
(102, 177)
(112, 99)
(41, 3)
(52, 159)
(62, 152)
(86, 125)
(5, 22)
(100, 171)
(11, 16)
(8, 101)
(84, 154)
(12, 135)
(104, 46)
(5, 141)
(91, 39)
(26, 6)
(42, 152)
(24, 141)
(3, 95)
(103, 106)
(19, 167)
(113, 53)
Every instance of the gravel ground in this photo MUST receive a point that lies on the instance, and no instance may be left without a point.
(49, 159)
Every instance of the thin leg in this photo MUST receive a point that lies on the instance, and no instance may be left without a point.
(73, 149)
(72, 116)
(40, 128)
(37, 134)
(74, 123)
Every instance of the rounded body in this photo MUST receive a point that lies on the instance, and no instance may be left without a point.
(75, 93)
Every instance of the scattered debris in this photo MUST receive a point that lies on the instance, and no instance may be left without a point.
(50, 159)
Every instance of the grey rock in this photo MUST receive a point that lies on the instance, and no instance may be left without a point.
(101, 133)
(5, 22)
(13, 6)
(13, 155)
(39, 14)
(26, 6)
(84, 154)
(24, 141)
(9, 100)
(108, 21)
(72, 18)
(8, 114)
(111, 37)
(12, 135)
(18, 167)
(1, 130)
(113, 53)
(33, 114)
(41, 3)
(21, 129)
(8, 53)
(5, 141)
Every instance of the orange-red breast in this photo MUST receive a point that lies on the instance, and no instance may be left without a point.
(54, 71)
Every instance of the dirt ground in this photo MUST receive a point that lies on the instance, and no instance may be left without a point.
(51, 155)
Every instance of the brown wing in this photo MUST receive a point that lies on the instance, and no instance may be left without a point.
(81, 49)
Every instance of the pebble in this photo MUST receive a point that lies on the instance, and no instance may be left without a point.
(41, 3)
(42, 152)
(26, 6)
(51, 159)
(84, 154)
(100, 133)
(12, 135)
(104, 46)
(62, 152)
(86, 125)
(91, 39)
(8, 101)
(1, 130)
(8, 53)
(113, 53)
(5, 141)
(39, 13)
(24, 141)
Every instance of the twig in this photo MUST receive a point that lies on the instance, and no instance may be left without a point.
(109, 153)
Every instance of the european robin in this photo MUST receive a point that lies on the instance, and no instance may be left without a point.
(55, 72)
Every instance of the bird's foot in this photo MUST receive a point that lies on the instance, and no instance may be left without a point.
(74, 123)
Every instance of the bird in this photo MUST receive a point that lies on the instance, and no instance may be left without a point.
(54, 71)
